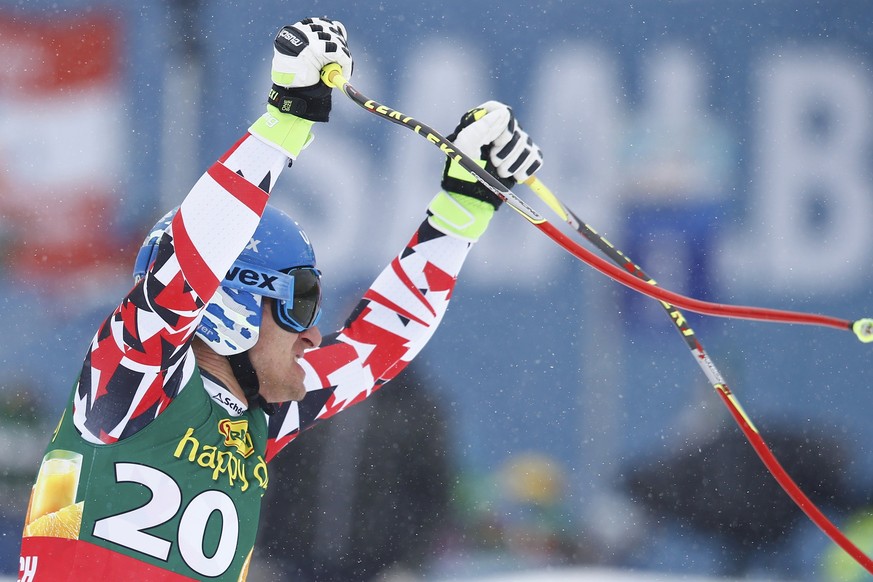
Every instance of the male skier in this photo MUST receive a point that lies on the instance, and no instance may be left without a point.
(213, 362)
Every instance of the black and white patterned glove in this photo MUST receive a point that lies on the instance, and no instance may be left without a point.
(300, 51)
(491, 134)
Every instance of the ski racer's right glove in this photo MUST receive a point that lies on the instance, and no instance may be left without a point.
(490, 134)
(298, 97)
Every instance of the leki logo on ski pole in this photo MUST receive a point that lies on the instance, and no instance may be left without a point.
(410, 122)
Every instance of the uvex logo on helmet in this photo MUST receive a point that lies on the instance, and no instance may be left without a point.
(251, 277)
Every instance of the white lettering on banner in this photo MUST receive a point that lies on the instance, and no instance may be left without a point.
(450, 78)
(812, 131)
(813, 201)
(339, 201)
(578, 123)
(447, 78)
(676, 152)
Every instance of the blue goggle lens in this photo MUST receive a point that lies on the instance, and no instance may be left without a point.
(304, 310)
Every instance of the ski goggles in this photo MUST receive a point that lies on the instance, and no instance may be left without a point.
(297, 292)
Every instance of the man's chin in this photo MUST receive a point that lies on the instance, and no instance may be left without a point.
(288, 394)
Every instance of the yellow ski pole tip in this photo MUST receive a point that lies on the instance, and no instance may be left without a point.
(332, 75)
(863, 328)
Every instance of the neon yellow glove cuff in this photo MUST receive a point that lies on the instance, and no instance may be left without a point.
(289, 133)
(460, 216)
(457, 171)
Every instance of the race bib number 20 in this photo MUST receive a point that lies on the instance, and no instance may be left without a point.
(128, 529)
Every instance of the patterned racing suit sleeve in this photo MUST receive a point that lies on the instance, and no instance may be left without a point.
(393, 321)
(141, 356)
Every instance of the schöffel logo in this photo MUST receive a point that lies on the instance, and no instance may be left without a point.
(236, 434)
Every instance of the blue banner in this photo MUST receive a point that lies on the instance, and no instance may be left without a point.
(724, 146)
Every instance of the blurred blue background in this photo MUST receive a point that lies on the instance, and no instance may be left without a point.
(724, 146)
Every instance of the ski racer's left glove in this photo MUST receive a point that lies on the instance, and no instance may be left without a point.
(490, 134)
(298, 97)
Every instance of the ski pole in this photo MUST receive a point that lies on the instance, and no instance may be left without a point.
(332, 76)
(712, 374)
(863, 328)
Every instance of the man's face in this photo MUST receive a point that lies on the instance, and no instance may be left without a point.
(275, 358)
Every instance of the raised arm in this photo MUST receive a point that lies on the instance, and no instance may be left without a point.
(400, 312)
(140, 357)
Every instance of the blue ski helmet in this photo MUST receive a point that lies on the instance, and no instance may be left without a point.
(278, 262)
